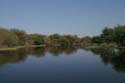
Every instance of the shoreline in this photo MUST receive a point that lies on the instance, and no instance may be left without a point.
(18, 47)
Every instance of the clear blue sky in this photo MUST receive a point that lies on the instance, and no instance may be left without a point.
(81, 17)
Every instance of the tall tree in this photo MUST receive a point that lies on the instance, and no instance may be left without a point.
(22, 36)
(119, 35)
(7, 38)
(97, 39)
(108, 35)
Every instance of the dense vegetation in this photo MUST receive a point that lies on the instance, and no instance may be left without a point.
(15, 37)
(114, 36)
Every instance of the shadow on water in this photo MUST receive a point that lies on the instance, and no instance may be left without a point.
(115, 57)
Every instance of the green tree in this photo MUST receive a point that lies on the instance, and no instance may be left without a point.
(97, 39)
(119, 35)
(38, 41)
(108, 35)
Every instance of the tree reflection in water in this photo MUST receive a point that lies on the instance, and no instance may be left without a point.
(7, 57)
(115, 57)
(20, 55)
(58, 51)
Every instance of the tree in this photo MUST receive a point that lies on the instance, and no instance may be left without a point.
(111, 35)
(85, 41)
(97, 39)
(7, 38)
(108, 35)
(71, 40)
(56, 40)
(22, 36)
(36, 39)
(119, 35)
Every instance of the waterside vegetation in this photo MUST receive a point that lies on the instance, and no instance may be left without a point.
(12, 39)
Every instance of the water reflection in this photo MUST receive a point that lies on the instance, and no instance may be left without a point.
(7, 57)
(20, 55)
(115, 57)
(58, 51)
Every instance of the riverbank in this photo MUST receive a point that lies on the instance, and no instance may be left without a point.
(18, 47)
(103, 45)
(59, 46)
(91, 47)
(11, 48)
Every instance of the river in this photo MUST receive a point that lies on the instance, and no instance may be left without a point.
(62, 65)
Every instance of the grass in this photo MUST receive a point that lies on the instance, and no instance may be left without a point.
(6, 49)
(18, 47)
(11, 48)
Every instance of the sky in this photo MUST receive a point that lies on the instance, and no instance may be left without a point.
(77, 17)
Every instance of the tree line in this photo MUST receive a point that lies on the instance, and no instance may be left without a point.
(115, 35)
(17, 37)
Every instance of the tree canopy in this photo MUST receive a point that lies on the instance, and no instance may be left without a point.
(111, 35)
(17, 37)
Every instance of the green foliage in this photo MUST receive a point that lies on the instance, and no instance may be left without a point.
(38, 41)
(15, 37)
(108, 35)
(119, 37)
(111, 35)
(97, 39)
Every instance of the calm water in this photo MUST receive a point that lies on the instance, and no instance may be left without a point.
(55, 65)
